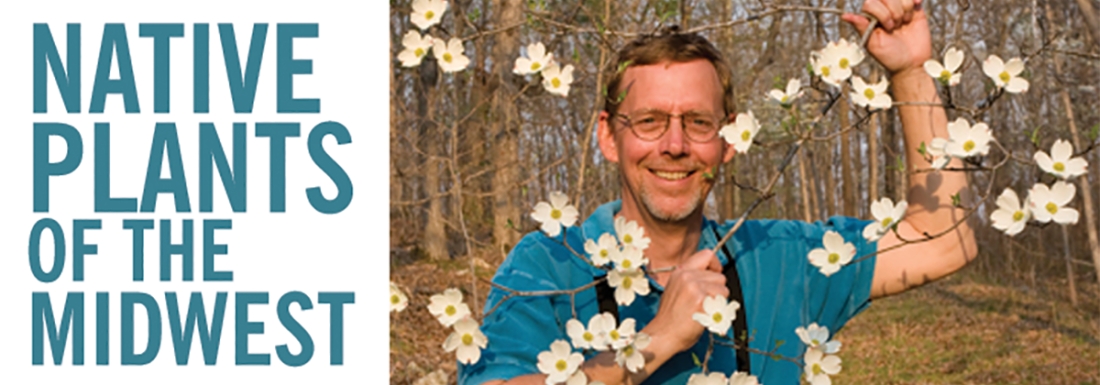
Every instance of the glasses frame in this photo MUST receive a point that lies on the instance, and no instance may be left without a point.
(629, 123)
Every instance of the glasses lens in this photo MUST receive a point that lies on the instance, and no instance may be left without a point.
(649, 125)
(700, 128)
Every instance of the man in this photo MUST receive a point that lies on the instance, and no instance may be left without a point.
(664, 183)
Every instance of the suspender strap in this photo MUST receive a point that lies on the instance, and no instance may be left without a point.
(606, 297)
(740, 324)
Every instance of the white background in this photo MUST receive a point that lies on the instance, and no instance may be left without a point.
(300, 249)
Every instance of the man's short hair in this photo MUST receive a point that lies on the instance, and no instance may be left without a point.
(667, 45)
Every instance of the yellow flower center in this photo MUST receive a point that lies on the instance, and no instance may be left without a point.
(627, 264)
(555, 214)
(815, 342)
(817, 369)
(394, 299)
(627, 238)
(614, 334)
(627, 282)
(535, 66)
(450, 310)
(561, 365)
(555, 82)
(447, 57)
(887, 222)
(628, 350)
(844, 63)
(717, 317)
(419, 52)
(1017, 216)
(1005, 77)
(969, 145)
(588, 336)
(781, 100)
(1052, 208)
(824, 71)
(1059, 167)
(869, 93)
(945, 76)
(428, 15)
(603, 253)
(467, 339)
(745, 135)
(834, 257)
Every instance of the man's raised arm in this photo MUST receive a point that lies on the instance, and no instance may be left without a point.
(902, 45)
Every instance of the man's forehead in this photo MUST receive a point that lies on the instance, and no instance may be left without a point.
(692, 85)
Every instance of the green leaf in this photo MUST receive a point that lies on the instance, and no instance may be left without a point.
(779, 343)
(695, 359)
(474, 14)
(511, 225)
(709, 174)
(1035, 137)
(576, 55)
(1095, 132)
(622, 96)
(623, 65)
(956, 200)
(922, 150)
(901, 164)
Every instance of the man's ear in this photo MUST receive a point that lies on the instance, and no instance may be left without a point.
(606, 137)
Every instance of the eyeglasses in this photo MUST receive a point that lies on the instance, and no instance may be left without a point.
(652, 125)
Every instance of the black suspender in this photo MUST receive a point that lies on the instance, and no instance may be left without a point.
(605, 295)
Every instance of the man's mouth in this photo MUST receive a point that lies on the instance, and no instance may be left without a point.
(672, 175)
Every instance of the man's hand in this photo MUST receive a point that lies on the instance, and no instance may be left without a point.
(696, 278)
(904, 42)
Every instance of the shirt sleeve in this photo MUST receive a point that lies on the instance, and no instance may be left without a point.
(520, 327)
(836, 298)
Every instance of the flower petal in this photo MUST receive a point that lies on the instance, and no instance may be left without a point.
(1061, 150)
(1017, 85)
(953, 59)
(933, 68)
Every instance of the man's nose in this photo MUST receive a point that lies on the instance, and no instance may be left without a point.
(674, 141)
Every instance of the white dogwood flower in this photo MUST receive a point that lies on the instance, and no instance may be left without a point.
(600, 252)
(717, 314)
(794, 91)
(742, 378)
(712, 378)
(595, 336)
(966, 140)
(817, 337)
(398, 300)
(937, 150)
(619, 337)
(1059, 162)
(834, 62)
(450, 54)
(886, 216)
(946, 72)
(579, 378)
(1010, 216)
(835, 254)
(467, 339)
(630, 356)
(819, 366)
(416, 48)
(426, 13)
(872, 96)
(448, 307)
(559, 362)
(552, 216)
(537, 59)
(1048, 203)
(556, 80)
(630, 234)
(741, 132)
(1006, 75)
(628, 259)
(628, 284)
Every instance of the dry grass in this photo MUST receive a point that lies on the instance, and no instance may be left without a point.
(967, 329)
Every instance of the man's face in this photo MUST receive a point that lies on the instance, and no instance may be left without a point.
(665, 177)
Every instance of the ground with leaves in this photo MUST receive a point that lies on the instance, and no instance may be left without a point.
(967, 329)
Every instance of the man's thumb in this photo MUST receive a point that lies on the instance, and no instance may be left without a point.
(704, 259)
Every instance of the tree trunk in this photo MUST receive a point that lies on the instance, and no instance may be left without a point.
(889, 138)
(504, 127)
(1069, 266)
(872, 158)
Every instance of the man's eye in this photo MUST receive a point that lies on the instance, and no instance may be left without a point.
(647, 120)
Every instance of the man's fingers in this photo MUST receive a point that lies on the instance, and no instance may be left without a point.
(859, 22)
(879, 11)
(701, 260)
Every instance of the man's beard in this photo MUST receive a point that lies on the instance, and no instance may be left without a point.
(668, 215)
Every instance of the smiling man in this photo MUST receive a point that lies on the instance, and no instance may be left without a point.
(663, 135)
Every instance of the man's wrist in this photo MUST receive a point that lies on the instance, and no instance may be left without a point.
(913, 85)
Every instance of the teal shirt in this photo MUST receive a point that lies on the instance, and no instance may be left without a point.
(782, 291)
